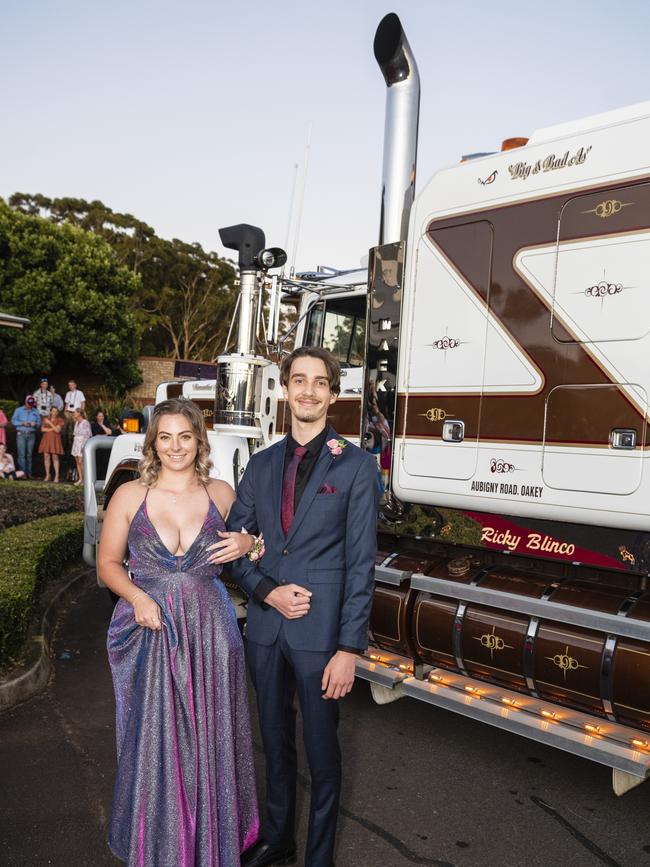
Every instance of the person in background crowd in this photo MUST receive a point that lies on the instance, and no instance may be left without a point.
(43, 398)
(7, 468)
(82, 433)
(57, 400)
(4, 421)
(27, 421)
(74, 398)
(101, 427)
(51, 446)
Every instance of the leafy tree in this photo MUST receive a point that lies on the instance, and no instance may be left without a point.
(129, 237)
(77, 296)
(190, 315)
(185, 298)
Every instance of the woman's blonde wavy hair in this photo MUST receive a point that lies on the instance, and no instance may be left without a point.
(149, 466)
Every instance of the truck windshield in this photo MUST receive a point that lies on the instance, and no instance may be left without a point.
(339, 325)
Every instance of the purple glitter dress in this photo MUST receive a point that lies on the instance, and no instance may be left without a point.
(185, 787)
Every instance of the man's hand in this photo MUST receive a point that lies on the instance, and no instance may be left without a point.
(291, 600)
(338, 676)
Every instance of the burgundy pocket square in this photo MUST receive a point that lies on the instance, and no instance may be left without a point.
(326, 488)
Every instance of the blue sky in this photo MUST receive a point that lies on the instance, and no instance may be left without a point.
(192, 116)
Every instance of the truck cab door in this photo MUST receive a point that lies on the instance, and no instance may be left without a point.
(441, 379)
(594, 279)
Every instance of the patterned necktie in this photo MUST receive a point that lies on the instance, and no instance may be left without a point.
(289, 488)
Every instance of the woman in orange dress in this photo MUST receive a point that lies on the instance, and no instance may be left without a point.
(51, 446)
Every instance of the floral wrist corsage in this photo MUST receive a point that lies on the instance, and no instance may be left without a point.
(257, 550)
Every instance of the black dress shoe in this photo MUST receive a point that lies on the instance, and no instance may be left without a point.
(264, 854)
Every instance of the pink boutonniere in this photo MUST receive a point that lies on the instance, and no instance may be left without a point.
(336, 446)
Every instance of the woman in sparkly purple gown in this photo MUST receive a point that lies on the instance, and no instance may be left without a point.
(185, 789)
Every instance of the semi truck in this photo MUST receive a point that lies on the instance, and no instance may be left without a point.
(494, 356)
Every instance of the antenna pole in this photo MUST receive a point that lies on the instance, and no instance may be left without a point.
(301, 203)
(292, 201)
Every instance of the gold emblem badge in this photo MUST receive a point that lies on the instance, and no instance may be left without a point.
(565, 662)
(434, 414)
(492, 641)
(608, 208)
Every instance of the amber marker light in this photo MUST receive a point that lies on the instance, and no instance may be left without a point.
(593, 730)
(642, 745)
(509, 701)
(472, 690)
(547, 714)
(510, 144)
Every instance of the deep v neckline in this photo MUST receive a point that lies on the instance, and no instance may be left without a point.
(196, 538)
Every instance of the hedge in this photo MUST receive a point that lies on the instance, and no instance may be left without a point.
(31, 556)
(25, 501)
(8, 406)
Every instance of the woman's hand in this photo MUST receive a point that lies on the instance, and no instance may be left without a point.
(145, 610)
(233, 546)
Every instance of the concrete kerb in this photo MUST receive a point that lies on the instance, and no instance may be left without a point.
(35, 678)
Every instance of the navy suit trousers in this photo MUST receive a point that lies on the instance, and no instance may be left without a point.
(279, 672)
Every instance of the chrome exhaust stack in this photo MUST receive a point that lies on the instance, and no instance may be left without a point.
(397, 63)
(244, 403)
(249, 241)
(386, 265)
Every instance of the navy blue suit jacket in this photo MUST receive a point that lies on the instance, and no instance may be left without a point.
(330, 548)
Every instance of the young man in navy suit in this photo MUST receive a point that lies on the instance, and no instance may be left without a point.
(314, 497)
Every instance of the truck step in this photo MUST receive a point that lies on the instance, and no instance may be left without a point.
(621, 748)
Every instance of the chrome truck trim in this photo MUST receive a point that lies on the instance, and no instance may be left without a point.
(613, 624)
(397, 63)
(239, 394)
(249, 299)
(617, 746)
(92, 487)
